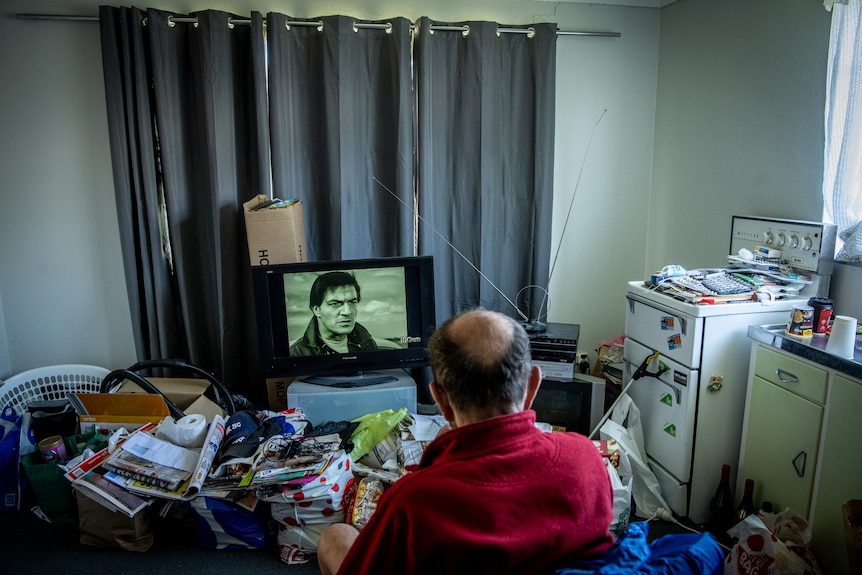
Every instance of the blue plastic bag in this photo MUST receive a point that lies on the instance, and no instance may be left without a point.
(10, 437)
(223, 524)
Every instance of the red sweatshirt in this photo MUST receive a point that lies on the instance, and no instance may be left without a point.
(499, 496)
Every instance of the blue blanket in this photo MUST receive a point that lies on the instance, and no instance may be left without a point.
(695, 553)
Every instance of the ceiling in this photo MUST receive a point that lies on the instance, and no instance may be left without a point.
(631, 3)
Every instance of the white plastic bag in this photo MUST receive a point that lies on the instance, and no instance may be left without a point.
(774, 549)
(624, 426)
(621, 481)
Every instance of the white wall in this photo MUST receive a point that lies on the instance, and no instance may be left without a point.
(61, 276)
(609, 178)
(739, 122)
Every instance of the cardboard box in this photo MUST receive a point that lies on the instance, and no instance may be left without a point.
(608, 449)
(111, 411)
(276, 392)
(275, 235)
(185, 393)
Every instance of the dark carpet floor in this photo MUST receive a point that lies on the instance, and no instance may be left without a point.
(32, 545)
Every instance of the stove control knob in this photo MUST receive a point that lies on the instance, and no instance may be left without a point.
(806, 243)
(794, 241)
(769, 237)
(782, 239)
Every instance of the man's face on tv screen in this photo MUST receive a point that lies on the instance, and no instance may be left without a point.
(336, 315)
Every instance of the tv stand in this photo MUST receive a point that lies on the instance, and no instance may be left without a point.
(360, 379)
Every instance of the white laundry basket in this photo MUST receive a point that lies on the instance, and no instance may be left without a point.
(50, 382)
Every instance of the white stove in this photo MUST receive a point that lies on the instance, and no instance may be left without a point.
(692, 413)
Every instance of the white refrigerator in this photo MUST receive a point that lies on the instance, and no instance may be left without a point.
(692, 413)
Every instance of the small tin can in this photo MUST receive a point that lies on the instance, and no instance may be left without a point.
(822, 313)
(53, 449)
(801, 322)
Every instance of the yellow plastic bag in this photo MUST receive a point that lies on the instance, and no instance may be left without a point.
(373, 428)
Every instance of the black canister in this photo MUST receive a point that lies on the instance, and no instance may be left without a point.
(822, 313)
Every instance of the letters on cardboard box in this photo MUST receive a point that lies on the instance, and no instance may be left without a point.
(276, 235)
(276, 392)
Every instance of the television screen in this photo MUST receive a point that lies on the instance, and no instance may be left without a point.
(342, 322)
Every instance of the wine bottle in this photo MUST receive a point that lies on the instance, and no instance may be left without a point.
(721, 507)
(746, 506)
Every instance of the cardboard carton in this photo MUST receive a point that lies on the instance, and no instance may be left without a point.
(275, 235)
(185, 393)
(111, 411)
(276, 392)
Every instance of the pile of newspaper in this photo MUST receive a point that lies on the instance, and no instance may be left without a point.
(251, 453)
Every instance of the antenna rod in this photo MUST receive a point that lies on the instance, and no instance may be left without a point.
(572, 203)
(424, 221)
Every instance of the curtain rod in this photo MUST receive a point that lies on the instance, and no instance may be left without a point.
(240, 21)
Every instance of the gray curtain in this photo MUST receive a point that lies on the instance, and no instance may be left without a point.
(341, 117)
(485, 163)
(189, 143)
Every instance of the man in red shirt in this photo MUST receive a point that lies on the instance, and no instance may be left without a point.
(492, 493)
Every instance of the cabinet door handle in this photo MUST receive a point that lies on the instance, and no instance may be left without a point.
(800, 471)
(786, 376)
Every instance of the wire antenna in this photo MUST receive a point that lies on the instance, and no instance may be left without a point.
(531, 325)
(456, 250)
(572, 203)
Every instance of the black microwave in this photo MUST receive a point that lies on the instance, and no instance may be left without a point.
(571, 405)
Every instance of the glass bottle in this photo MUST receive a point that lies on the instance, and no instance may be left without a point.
(721, 507)
(746, 506)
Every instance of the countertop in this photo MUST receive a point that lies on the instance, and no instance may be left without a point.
(812, 349)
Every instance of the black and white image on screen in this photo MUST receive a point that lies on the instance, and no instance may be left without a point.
(346, 311)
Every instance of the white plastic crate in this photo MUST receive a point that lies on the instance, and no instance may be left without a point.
(50, 382)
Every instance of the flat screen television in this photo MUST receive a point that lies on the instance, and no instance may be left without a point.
(341, 323)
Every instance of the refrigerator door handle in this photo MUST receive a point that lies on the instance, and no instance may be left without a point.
(682, 321)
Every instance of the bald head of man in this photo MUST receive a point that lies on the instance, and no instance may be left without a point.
(482, 367)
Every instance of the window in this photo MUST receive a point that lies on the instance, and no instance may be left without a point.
(842, 158)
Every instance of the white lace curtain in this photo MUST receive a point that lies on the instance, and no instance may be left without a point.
(842, 161)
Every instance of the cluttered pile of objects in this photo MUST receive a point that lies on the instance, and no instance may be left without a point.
(749, 278)
(242, 477)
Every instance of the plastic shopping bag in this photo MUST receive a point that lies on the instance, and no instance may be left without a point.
(10, 431)
(624, 426)
(771, 545)
(302, 514)
(621, 481)
(373, 428)
(223, 524)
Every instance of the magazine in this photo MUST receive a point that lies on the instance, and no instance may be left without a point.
(97, 459)
(191, 486)
(130, 465)
(95, 483)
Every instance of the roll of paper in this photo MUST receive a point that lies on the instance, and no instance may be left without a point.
(187, 431)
